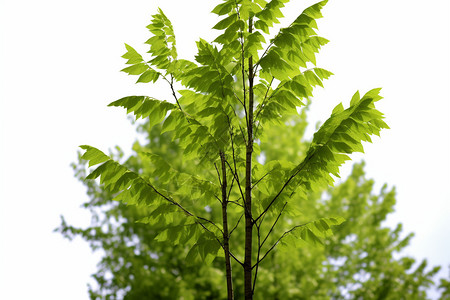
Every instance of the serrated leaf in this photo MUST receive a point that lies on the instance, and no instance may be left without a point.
(226, 22)
(136, 69)
(93, 155)
(149, 75)
(132, 56)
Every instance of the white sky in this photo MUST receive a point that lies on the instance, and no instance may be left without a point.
(59, 68)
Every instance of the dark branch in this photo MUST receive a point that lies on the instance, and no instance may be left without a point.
(237, 179)
(257, 256)
(236, 203)
(218, 174)
(273, 226)
(283, 187)
(276, 243)
(237, 223)
(188, 212)
(261, 179)
(265, 98)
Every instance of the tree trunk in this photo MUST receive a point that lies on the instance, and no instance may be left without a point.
(248, 290)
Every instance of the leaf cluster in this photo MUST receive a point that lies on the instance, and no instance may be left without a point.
(240, 86)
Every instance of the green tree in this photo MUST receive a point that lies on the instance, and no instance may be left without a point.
(361, 257)
(241, 88)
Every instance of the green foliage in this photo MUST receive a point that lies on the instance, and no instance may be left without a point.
(360, 257)
(445, 286)
(219, 124)
(210, 121)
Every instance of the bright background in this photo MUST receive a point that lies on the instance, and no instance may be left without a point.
(59, 68)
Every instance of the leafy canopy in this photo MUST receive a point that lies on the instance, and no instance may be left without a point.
(373, 265)
(238, 87)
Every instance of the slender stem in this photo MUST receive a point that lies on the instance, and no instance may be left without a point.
(257, 257)
(273, 226)
(281, 237)
(241, 39)
(284, 186)
(226, 237)
(170, 82)
(218, 174)
(269, 46)
(197, 219)
(231, 187)
(262, 104)
(234, 172)
(236, 203)
(235, 175)
(261, 179)
(239, 220)
(248, 290)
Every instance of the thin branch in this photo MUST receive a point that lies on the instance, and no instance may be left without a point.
(236, 203)
(273, 226)
(234, 172)
(257, 257)
(231, 187)
(282, 188)
(265, 98)
(200, 218)
(235, 258)
(211, 222)
(215, 196)
(242, 63)
(170, 82)
(263, 105)
(239, 220)
(281, 237)
(243, 135)
(260, 245)
(269, 46)
(218, 174)
(239, 99)
(262, 56)
(186, 211)
(237, 179)
(261, 178)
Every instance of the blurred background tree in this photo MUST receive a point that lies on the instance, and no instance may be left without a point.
(362, 260)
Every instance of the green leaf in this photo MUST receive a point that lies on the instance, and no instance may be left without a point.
(132, 56)
(136, 69)
(314, 11)
(172, 121)
(342, 134)
(338, 109)
(143, 107)
(162, 43)
(223, 24)
(355, 98)
(223, 8)
(322, 73)
(149, 75)
(93, 155)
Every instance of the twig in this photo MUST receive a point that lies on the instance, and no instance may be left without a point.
(236, 224)
(273, 226)
(257, 257)
(284, 234)
(282, 188)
